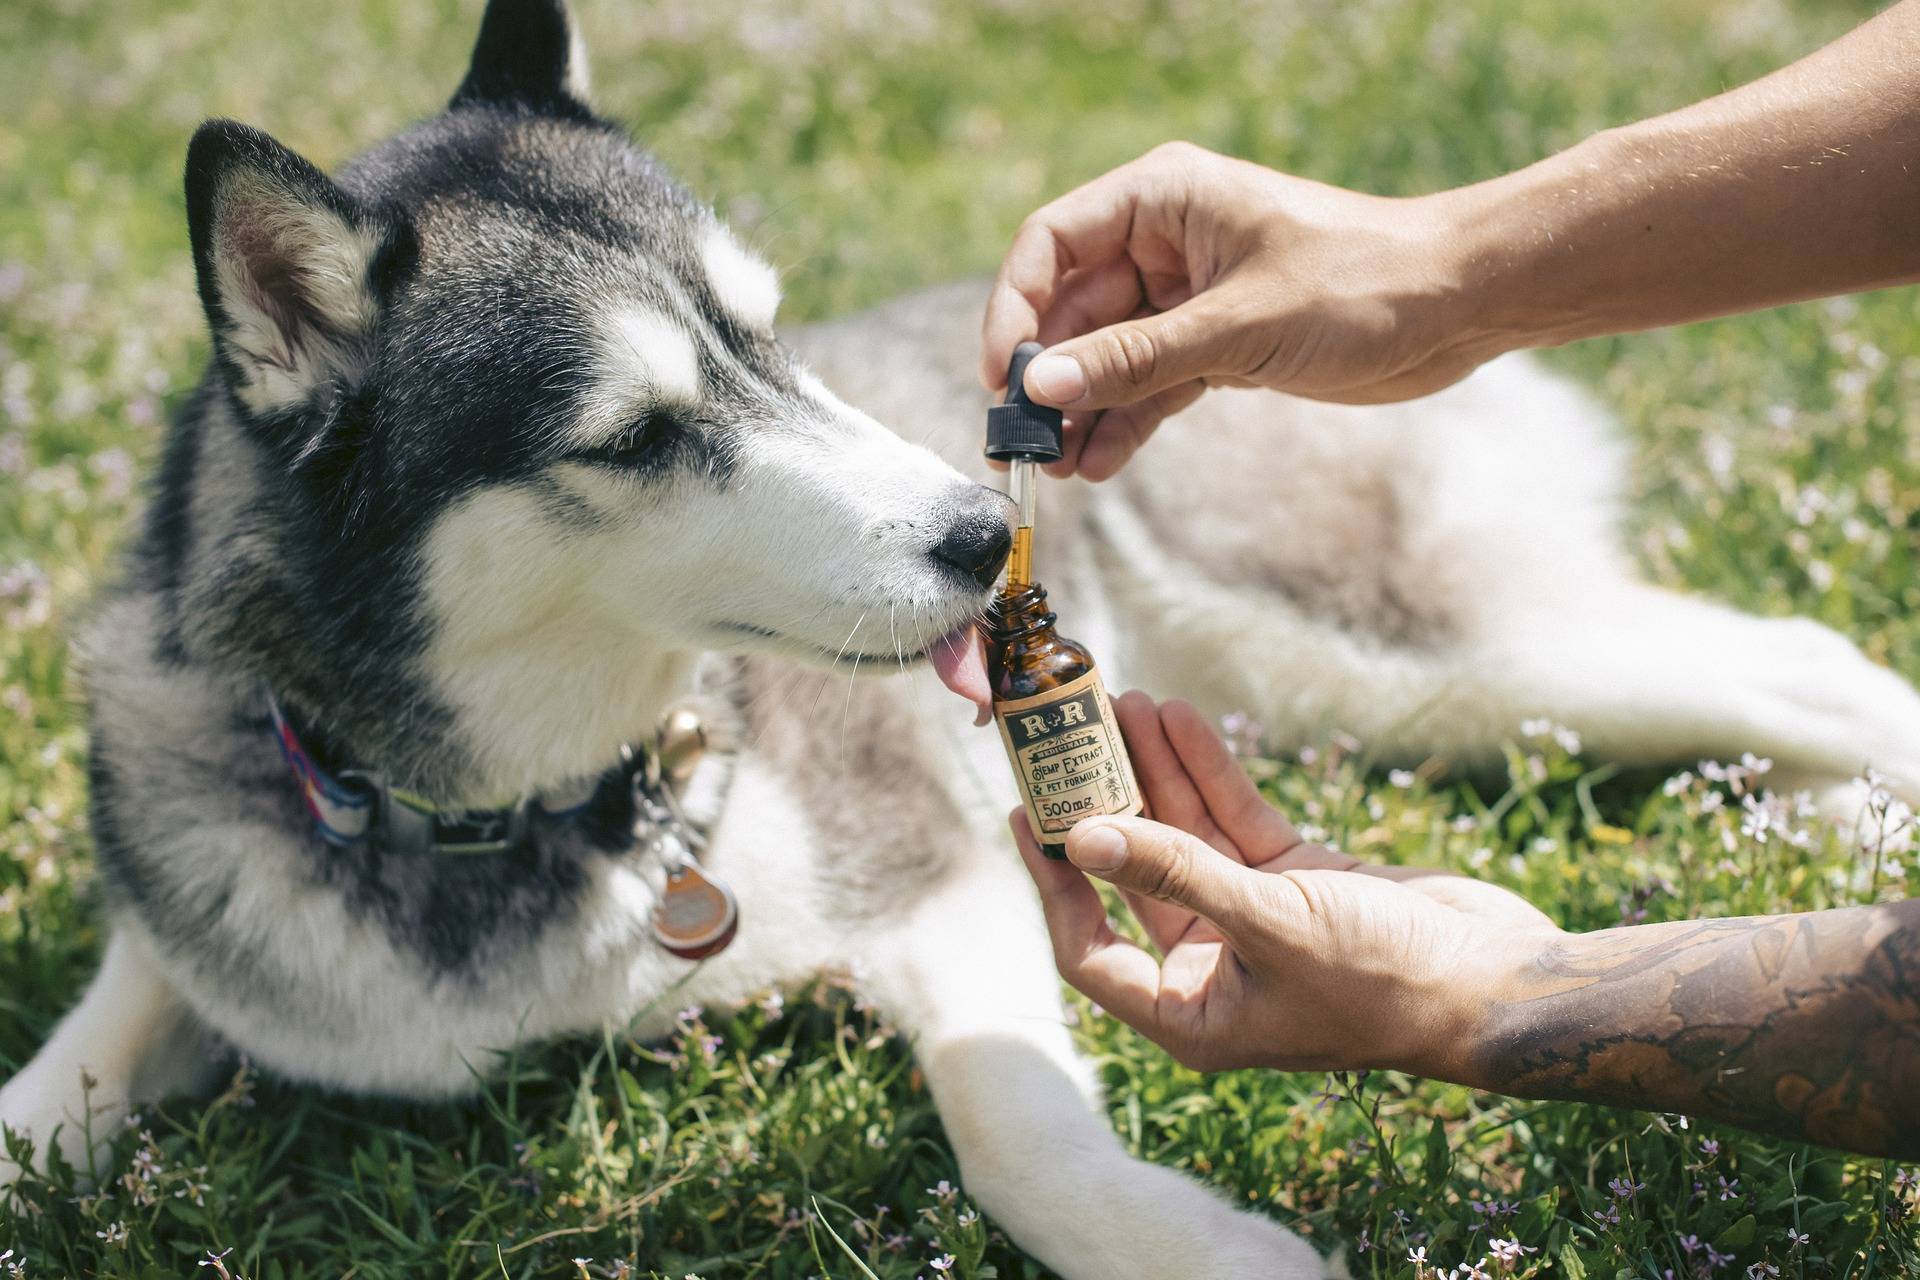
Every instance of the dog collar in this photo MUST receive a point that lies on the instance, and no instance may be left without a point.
(359, 804)
(695, 916)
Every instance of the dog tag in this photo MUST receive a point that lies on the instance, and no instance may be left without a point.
(696, 917)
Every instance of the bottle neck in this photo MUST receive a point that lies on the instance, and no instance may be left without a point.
(1018, 612)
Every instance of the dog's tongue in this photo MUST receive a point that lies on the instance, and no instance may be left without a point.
(960, 660)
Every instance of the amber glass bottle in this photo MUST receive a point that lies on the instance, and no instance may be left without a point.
(1055, 720)
(1048, 700)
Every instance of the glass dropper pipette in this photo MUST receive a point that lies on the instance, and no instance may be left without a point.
(1023, 435)
(1025, 496)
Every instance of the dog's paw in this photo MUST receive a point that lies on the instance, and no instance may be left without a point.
(34, 1106)
(1241, 1244)
(1191, 1234)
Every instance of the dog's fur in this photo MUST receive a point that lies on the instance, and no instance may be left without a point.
(499, 455)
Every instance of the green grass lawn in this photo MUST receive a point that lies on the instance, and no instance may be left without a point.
(870, 147)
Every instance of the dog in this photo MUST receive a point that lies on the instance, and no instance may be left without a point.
(499, 456)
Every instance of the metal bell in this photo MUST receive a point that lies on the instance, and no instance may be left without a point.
(682, 743)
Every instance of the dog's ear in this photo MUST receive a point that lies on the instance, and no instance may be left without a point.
(529, 56)
(292, 269)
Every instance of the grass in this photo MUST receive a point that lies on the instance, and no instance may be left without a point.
(869, 148)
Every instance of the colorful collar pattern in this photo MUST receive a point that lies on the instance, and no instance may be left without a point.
(358, 805)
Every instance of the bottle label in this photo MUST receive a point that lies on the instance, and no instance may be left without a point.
(1068, 754)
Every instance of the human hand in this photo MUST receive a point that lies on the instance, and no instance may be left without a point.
(1273, 952)
(1185, 269)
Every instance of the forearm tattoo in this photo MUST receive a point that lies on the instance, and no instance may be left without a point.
(1806, 1026)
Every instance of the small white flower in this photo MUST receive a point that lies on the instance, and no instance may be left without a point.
(1510, 1251)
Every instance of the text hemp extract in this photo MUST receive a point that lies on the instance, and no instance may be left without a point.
(1048, 699)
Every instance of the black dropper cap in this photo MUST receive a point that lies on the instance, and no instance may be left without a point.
(1019, 428)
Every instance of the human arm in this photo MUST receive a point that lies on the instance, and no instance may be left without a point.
(1803, 1025)
(1281, 953)
(1185, 269)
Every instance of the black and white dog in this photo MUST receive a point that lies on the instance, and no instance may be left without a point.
(499, 458)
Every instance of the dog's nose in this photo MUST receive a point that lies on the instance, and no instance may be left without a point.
(977, 541)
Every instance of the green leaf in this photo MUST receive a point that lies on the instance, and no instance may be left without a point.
(820, 1215)
(1570, 1264)
(379, 1223)
(1739, 1235)
(1439, 1156)
(1535, 1214)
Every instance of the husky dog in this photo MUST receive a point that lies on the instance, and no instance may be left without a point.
(499, 456)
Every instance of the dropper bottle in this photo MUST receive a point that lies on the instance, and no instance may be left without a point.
(1048, 699)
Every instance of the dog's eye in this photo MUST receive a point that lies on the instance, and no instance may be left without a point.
(637, 443)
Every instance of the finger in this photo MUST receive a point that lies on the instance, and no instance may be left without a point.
(1127, 362)
(1314, 857)
(1170, 798)
(1092, 298)
(1162, 862)
(1448, 888)
(1125, 981)
(1086, 228)
(1243, 814)
(1095, 960)
(1075, 915)
(1170, 793)
(1081, 428)
(1077, 429)
(1118, 433)
(1466, 894)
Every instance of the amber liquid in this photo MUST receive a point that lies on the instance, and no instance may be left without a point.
(1020, 561)
(1025, 655)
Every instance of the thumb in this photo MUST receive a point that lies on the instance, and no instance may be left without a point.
(1127, 362)
(1157, 861)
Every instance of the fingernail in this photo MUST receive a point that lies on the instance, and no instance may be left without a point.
(1057, 378)
(1097, 848)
